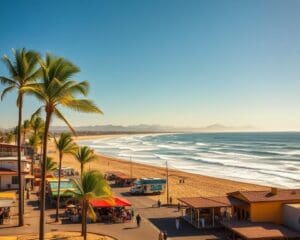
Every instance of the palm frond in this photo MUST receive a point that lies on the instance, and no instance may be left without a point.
(6, 91)
(8, 81)
(61, 117)
(11, 68)
(81, 105)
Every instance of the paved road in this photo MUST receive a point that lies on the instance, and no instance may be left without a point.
(153, 220)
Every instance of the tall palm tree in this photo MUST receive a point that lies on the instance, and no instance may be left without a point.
(37, 124)
(25, 129)
(57, 89)
(34, 141)
(51, 166)
(22, 73)
(64, 145)
(92, 185)
(84, 155)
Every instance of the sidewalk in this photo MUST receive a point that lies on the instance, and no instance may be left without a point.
(154, 219)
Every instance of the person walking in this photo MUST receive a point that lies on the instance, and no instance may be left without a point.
(161, 236)
(171, 200)
(138, 220)
(159, 203)
(177, 223)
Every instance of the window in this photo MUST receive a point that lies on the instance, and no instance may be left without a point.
(14, 180)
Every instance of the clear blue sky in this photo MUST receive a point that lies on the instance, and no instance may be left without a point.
(181, 63)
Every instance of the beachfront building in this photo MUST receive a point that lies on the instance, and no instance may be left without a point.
(9, 167)
(247, 214)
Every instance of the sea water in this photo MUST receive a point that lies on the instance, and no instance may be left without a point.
(265, 158)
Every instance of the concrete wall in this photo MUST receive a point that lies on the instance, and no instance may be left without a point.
(291, 217)
(5, 180)
(13, 165)
(269, 211)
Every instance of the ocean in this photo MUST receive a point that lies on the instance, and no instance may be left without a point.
(271, 159)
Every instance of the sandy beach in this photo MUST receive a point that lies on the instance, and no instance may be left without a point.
(194, 184)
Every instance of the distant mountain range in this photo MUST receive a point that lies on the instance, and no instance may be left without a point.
(144, 128)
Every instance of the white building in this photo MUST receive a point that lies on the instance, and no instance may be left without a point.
(9, 167)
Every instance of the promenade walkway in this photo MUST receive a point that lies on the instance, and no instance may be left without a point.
(153, 220)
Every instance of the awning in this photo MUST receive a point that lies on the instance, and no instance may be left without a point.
(114, 202)
(8, 195)
(6, 203)
(28, 176)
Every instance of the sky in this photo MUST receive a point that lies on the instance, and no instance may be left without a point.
(168, 62)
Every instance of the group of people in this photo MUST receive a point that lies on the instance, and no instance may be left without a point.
(114, 214)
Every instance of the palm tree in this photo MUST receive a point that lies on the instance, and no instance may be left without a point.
(25, 129)
(22, 73)
(84, 155)
(92, 185)
(9, 137)
(51, 166)
(34, 141)
(37, 124)
(57, 89)
(64, 145)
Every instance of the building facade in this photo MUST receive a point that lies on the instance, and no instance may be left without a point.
(9, 167)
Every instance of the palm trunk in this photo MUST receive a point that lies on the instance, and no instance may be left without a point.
(43, 177)
(58, 188)
(84, 216)
(32, 163)
(20, 188)
(81, 169)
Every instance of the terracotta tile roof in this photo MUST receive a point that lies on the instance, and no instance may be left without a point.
(5, 171)
(267, 196)
(209, 202)
(4, 145)
(262, 230)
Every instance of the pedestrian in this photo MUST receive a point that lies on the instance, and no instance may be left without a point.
(1, 215)
(165, 236)
(178, 206)
(159, 203)
(138, 220)
(177, 223)
(171, 200)
(132, 212)
(161, 236)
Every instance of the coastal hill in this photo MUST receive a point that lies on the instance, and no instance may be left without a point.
(145, 128)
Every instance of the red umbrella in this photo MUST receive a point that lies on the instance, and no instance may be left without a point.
(114, 202)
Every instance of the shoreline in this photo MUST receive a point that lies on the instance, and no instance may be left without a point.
(193, 186)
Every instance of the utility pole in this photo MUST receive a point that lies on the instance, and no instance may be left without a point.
(167, 176)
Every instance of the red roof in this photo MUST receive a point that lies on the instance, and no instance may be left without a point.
(115, 202)
(4, 145)
(5, 171)
(211, 202)
(261, 230)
